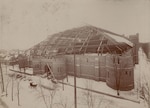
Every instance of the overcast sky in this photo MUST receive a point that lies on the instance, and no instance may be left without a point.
(27, 22)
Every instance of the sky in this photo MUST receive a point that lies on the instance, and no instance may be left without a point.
(24, 23)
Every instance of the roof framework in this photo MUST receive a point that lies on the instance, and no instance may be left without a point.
(86, 39)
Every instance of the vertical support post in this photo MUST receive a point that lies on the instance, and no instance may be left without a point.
(67, 77)
(2, 77)
(6, 67)
(63, 84)
(12, 89)
(75, 93)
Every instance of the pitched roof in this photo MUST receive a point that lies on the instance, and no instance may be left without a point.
(86, 39)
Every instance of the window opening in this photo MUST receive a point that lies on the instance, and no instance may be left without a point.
(130, 73)
(118, 61)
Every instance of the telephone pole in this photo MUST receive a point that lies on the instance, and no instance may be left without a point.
(2, 80)
(75, 91)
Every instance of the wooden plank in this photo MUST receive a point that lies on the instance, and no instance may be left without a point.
(84, 42)
(100, 45)
(51, 71)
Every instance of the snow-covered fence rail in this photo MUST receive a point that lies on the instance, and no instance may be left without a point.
(99, 92)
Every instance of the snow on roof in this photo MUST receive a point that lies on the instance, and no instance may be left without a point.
(90, 40)
(120, 39)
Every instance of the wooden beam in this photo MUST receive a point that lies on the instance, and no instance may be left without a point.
(88, 41)
(84, 42)
(102, 50)
(118, 48)
(100, 45)
(108, 49)
(71, 43)
(114, 43)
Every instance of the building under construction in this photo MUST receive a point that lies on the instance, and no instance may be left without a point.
(88, 52)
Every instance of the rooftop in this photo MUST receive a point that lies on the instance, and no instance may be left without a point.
(86, 39)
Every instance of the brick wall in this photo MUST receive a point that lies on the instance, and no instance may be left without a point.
(120, 70)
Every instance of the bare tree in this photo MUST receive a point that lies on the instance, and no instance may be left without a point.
(47, 95)
(89, 99)
(144, 76)
(15, 79)
(22, 62)
(145, 83)
(18, 89)
(51, 97)
(12, 86)
(7, 83)
(88, 96)
(146, 93)
(6, 63)
(63, 102)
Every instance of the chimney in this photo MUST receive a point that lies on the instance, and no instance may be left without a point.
(135, 40)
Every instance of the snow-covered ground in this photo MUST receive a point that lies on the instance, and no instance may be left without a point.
(31, 98)
(34, 97)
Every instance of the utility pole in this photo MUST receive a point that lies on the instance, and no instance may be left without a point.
(2, 77)
(1, 30)
(75, 91)
(1, 39)
(12, 89)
